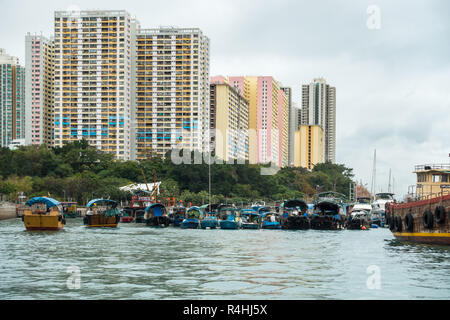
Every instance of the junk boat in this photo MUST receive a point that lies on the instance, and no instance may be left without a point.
(102, 213)
(424, 216)
(192, 220)
(156, 215)
(43, 213)
(209, 219)
(327, 214)
(135, 211)
(270, 220)
(294, 215)
(378, 213)
(250, 219)
(229, 217)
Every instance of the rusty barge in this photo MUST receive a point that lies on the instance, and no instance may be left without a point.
(424, 217)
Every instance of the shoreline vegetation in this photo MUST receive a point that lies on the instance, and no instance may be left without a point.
(79, 172)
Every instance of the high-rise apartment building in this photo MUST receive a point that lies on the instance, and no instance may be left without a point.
(12, 99)
(39, 84)
(228, 121)
(292, 124)
(319, 108)
(268, 118)
(172, 91)
(92, 60)
(309, 150)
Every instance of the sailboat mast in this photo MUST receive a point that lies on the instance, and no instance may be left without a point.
(389, 185)
(374, 173)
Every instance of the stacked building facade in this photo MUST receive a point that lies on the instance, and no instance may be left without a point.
(39, 85)
(172, 91)
(319, 108)
(268, 119)
(92, 78)
(12, 99)
(228, 121)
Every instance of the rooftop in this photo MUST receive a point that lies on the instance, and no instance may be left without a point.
(426, 167)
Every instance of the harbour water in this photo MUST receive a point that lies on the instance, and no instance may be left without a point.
(138, 262)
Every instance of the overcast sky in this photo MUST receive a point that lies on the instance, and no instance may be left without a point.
(392, 83)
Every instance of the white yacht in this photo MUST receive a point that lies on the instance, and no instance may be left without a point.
(378, 213)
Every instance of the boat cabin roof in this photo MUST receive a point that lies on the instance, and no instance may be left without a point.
(49, 202)
(155, 205)
(104, 201)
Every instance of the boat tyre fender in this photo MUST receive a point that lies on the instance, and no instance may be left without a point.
(409, 222)
(439, 214)
(392, 222)
(398, 224)
(428, 219)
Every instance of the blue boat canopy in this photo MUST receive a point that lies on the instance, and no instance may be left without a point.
(249, 212)
(158, 209)
(95, 201)
(50, 202)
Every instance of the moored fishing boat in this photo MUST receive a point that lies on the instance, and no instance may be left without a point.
(102, 213)
(359, 216)
(192, 220)
(328, 207)
(229, 217)
(294, 215)
(250, 219)
(359, 219)
(209, 219)
(156, 215)
(136, 208)
(43, 213)
(177, 215)
(424, 217)
(270, 220)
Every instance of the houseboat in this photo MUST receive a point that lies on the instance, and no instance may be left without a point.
(424, 216)
(209, 219)
(294, 215)
(192, 219)
(42, 213)
(250, 219)
(156, 215)
(102, 213)
(229, 217)
(328, 211)
(270, 220)
(177, 214)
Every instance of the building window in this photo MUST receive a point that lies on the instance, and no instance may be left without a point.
(436, 178)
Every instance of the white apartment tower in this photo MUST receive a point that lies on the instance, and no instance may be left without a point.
(319, 108)
(39, 85)
(92, 57)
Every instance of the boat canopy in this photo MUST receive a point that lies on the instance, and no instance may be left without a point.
(327, 206)
(249, 212)
(95, 201)
(49, 202)
(269, 213)
(294, 203)
(158, 209)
